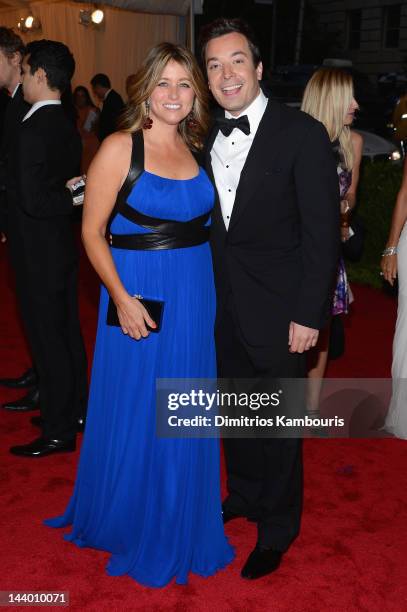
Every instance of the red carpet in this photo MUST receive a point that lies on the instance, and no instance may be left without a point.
(350, 556)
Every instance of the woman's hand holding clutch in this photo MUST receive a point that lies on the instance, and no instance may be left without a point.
(133, 318)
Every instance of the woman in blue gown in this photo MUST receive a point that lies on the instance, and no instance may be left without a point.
(153, 502)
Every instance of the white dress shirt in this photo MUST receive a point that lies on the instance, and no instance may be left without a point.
(38, 105)
(229, 154)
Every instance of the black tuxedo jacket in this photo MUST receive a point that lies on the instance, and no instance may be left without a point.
(17, 108)
(46, 154)
(278, 259)
(112, 107)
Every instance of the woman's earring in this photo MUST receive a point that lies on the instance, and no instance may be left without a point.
(148, 122)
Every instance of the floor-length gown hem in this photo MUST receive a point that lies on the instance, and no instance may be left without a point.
(396, 419)
(139, 575)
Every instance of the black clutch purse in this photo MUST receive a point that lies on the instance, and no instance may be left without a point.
(154, 308)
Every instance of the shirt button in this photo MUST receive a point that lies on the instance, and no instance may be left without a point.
(227, 217)
(227, 166)
(229, 190)
(233, 143)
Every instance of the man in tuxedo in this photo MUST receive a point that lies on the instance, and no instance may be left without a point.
(275, 240)
(112, 105)
(11, 53)
(46, 153)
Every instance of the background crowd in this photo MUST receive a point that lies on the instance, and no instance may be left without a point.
(163, 178)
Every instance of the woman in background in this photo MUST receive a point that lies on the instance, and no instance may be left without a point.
(393, 264)
(329, 97)
(87, 119)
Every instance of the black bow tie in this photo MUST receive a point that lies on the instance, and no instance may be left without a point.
(226, 126)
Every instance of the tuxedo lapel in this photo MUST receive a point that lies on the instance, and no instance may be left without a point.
(217, 216)
(258, 160)
(209, 144)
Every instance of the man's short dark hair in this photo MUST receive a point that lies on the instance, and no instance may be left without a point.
(223, 26)
(55, 59)
(10, 42)
(102, 80)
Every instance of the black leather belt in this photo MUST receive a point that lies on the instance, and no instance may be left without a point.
(168, 234)
(157, 241)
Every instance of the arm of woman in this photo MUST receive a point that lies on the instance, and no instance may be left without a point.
(357, 144)
(105, 177)
(389, 262)
(349, 202)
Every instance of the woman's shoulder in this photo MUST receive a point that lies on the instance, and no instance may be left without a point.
(117, 141)
(115, 149)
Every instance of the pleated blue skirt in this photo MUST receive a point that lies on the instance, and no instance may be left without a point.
(153, 503)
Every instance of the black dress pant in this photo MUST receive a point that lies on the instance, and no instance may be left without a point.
(51, 320)
(264, 475)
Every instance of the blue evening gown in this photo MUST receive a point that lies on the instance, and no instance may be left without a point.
(154, 503)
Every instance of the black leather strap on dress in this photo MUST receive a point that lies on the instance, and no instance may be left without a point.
(135, 171)
(168, 234)
(157, 241)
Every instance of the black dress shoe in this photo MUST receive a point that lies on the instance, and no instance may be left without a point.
(26, 380)
(260, 562)
(43, 446)
(38, 421)
(31, 401)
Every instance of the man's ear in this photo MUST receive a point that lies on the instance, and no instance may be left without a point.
(41, 75)
(16, 59)
(259, 71)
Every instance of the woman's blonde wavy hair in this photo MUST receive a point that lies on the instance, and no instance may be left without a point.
(146, 79)
(327, 97)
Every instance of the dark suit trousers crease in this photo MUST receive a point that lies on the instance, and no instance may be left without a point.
(264, 476)
(53, 330)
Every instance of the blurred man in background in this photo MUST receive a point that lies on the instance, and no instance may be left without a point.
(11, 53)
(112, 105)
(45, 154)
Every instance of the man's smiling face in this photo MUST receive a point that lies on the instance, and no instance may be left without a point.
(233, 77)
